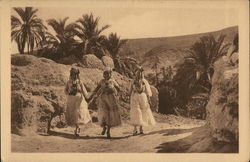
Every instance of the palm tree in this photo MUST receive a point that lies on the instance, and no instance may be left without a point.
(126, 66)
(63, 40)
(155, 66)
(86, 28)
(167, 74)
(27, 29)
(195, 73)
(205, 52)
(113, 44)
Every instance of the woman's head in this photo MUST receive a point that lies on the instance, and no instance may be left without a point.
(139, 73)
(74, 73)
(107, 74)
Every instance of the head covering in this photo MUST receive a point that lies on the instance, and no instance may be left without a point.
(139, 72)
(75, 71)
(107, 71)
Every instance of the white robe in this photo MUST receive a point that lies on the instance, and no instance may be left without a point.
(140, 112)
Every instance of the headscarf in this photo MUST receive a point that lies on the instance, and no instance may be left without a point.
(74, 71)
(139, 74)
(108, 71)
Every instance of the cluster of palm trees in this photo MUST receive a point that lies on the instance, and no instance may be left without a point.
(194, 75)
(84, 35)
(191, 84)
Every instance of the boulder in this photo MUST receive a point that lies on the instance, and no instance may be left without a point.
(108, 62)
(37, 91)
(91, 61)
(68, 60)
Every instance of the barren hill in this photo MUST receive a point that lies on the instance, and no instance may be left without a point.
(169, 49)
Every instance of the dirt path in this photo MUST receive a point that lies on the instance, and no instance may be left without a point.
(168, 129)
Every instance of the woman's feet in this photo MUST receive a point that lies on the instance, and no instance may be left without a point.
(108, 135)
(77, 130)
(108, 132)
(141, 130)
(104, 130)
(76, 134)
(135, 132)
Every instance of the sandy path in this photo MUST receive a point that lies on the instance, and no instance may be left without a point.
(90, 140)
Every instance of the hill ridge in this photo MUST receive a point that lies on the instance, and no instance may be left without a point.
(144, 49)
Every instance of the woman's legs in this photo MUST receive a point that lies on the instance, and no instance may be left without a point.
(141, 130)
(104, 128)
(108, 131)
(77, 130)
(135, 130)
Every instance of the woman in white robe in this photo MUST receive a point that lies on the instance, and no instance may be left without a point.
(140, 112)
(77, 113)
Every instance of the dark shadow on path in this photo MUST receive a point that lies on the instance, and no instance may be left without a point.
(72, 136)
(201, 141)
(169, 132)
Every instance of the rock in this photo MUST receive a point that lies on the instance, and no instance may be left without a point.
(91, 61)
(223, 107)
(68, 60)
(37, 91)
(21, 61)
(108, 62)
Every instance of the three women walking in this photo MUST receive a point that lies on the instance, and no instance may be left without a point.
(106, 95)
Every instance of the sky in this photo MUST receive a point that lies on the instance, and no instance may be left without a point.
(143, 22)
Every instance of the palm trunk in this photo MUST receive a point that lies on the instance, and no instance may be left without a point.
(28, 45)
(86, 47)
(19, 48)
(156, 77)
(23, 43)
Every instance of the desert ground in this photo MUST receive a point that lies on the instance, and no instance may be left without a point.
(159, 138)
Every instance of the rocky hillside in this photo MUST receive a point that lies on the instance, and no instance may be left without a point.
(222, 112)
(37, 90)
(170, 50)
(221, 132)
(223, 106)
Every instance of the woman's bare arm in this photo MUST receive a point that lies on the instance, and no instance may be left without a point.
(66, 89)
(84, 91)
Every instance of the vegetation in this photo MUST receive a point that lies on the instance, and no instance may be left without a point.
(195, 73)
(86, 28)
(126, 66)
(70, 39)
(61, 44)
(27, 30)
(187, 91)
(113, 44)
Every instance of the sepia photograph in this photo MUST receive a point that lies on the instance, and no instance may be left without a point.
(126, 78)
(85, 79)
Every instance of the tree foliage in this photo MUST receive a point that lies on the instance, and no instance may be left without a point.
(86, 28)
(195, 73)
(27, 30)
